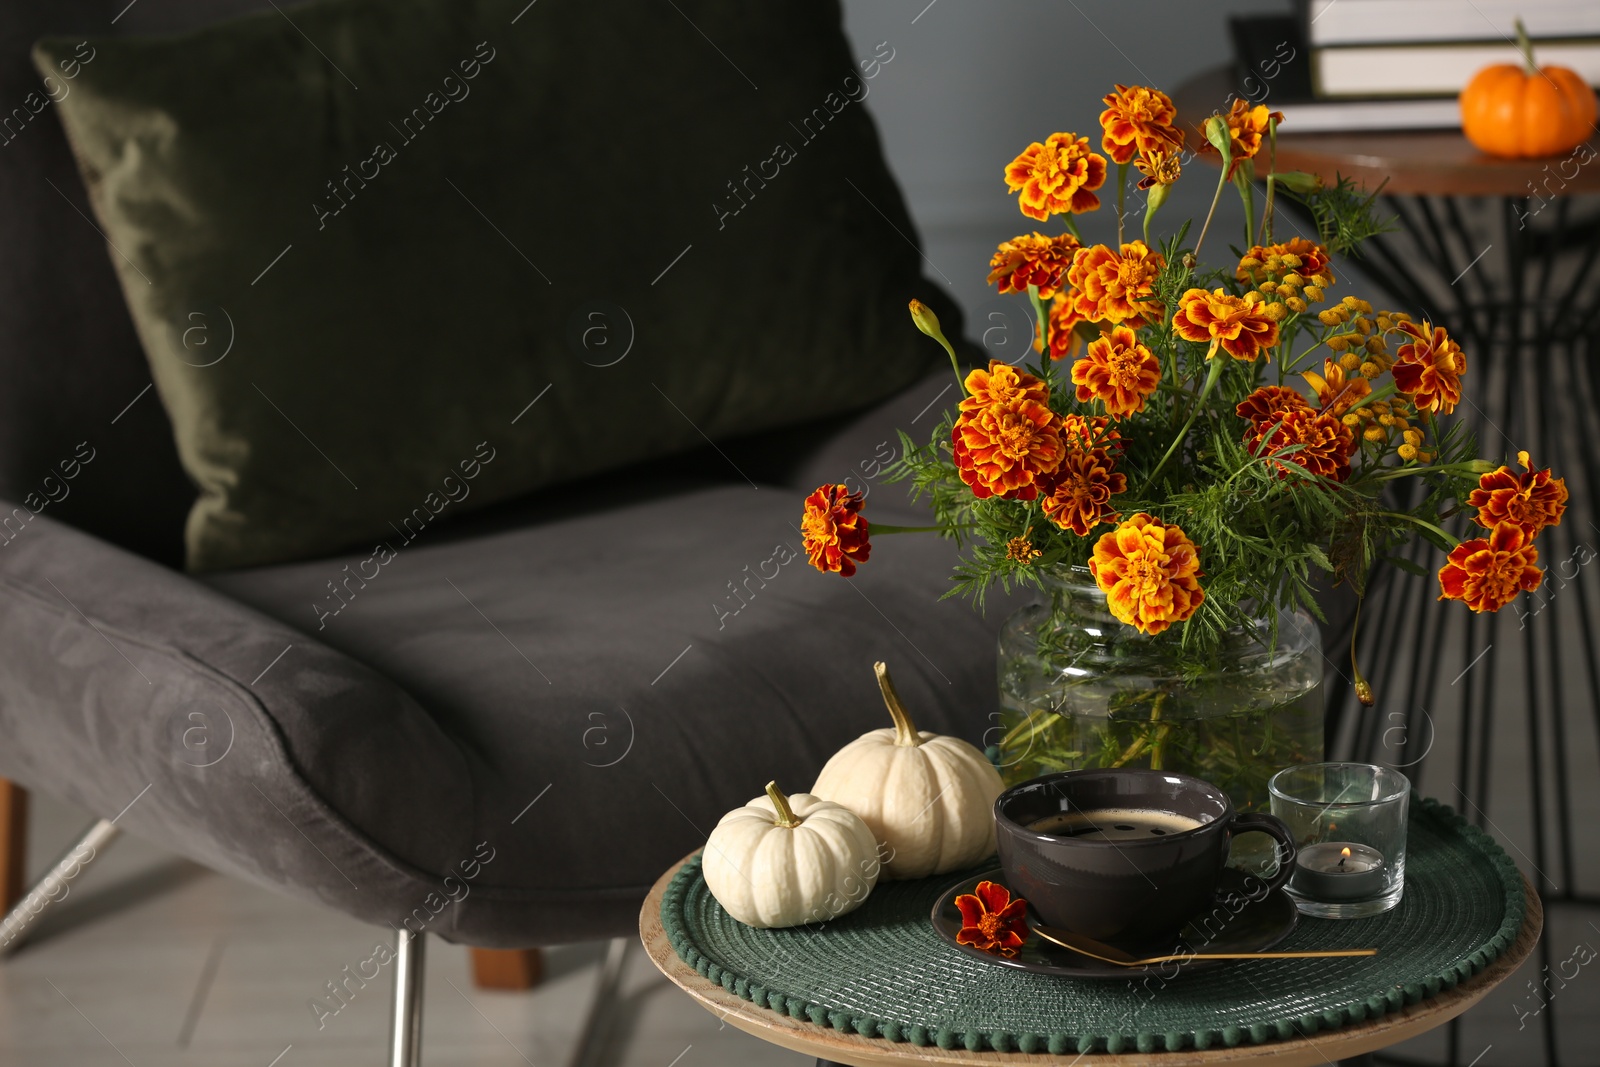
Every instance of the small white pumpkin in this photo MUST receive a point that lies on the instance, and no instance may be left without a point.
(929, 799)
(784, 861)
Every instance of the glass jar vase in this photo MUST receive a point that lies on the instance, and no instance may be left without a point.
(1078, 688)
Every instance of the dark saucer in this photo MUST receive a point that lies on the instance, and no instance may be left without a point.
(1238, 924)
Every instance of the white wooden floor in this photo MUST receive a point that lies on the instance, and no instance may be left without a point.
(155, 962)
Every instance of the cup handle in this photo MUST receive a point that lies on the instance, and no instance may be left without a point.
(1279, 830)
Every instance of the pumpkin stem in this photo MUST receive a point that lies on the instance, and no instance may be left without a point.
(1526, 47)
(786, 816)
(905, 731)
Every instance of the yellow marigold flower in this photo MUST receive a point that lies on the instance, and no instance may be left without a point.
(1117, 287)
(1057, 177)
(1149, 572)
(1118, 371)
(1336, 392)
(1159, 167)
(1004, 449)
(999, 385)
(1242, 331)
(1064, 318)
(1428, 369)
(834, 531)
(1323, 445)
(1077, 496)
(1138, 120)
(1032, 260)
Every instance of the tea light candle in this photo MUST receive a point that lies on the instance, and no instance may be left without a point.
(1338, 870)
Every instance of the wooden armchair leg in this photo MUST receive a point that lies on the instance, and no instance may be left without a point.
(507, 968)
(13, 843)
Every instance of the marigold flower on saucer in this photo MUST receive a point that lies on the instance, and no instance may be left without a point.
(834, 531)
(1532, 500)
(1064, 318)
(1137, 120)
(1326, 444)
(1247, 127)
(991, 920)
(1032, 259)
(1159, 167)
(1428, 369)
(1117, 287)
(1241, 329)
(1077, 496)
(1118, 371)
(1269, 403)
(1057, 177)
(1149, 572)
(1001, 384)
(1336, 391)
(1487, 573)
(1003, 449)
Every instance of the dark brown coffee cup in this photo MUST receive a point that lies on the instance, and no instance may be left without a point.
(1130, 892)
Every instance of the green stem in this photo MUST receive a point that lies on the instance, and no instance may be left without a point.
(1247, 197)
(1211, 383)
(1525, 46)
(1222, 179)
(1072, 227)
(1420, 522)
(1122, 193)
(1027, 724)
(1041, 315)
(786, 816)
(905, 731)
(1272, 166)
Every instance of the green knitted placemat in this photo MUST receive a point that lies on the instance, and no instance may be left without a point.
(881, 970)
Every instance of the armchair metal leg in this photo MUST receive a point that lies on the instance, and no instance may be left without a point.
(54, 885)
(405, 1021)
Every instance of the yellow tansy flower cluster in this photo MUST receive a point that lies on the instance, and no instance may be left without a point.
(1294, 275)
(1362, 348)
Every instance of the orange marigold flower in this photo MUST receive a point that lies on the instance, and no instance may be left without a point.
(1077, 496)
(1242, 330)
(1032, 260)
(1532, 500)
(1486, 573)
(1247, 126)
(1137, 120)
(1337, 392)
(1021, 550)
(1057, 177)
(1149, 572)
(1117, 287)
(991, 920)
(1118, 371)
(1064, 318)
(1004, 449)
(1001, 384)
(1326, 444)
(1268, 404)
(1428, 369)
(834, 531)
(1159, 166)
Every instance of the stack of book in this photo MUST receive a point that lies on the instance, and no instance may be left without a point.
(1399, 64)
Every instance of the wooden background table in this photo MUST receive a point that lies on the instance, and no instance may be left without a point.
(1317, 1050)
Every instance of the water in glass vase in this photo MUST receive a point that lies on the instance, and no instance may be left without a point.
(1078, 688)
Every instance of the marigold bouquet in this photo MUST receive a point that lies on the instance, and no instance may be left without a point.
(1203, 439)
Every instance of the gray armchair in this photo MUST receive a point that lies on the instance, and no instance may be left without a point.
(501, 735)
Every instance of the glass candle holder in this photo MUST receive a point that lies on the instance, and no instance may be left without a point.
(1349, 823)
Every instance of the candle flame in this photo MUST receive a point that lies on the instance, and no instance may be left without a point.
(1345, 852)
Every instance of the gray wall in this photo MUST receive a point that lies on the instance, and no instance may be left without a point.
(973, 82)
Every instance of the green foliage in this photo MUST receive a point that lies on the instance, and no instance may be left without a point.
(1344, 215)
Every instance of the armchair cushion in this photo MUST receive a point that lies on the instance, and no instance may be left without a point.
(426, 229)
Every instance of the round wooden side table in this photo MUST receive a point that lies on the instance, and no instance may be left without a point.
(1506, 255)
(833, 1046)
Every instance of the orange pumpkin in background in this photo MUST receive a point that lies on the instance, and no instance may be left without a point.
(1527, 111)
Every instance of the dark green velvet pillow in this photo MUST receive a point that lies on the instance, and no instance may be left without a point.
(392, 259)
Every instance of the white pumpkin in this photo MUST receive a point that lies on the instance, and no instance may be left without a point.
(784, 861)
(929, 799)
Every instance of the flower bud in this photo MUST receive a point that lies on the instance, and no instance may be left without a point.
(1299, 181)
(926, 320)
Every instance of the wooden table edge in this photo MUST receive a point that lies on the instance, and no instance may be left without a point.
(1313, 1051)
